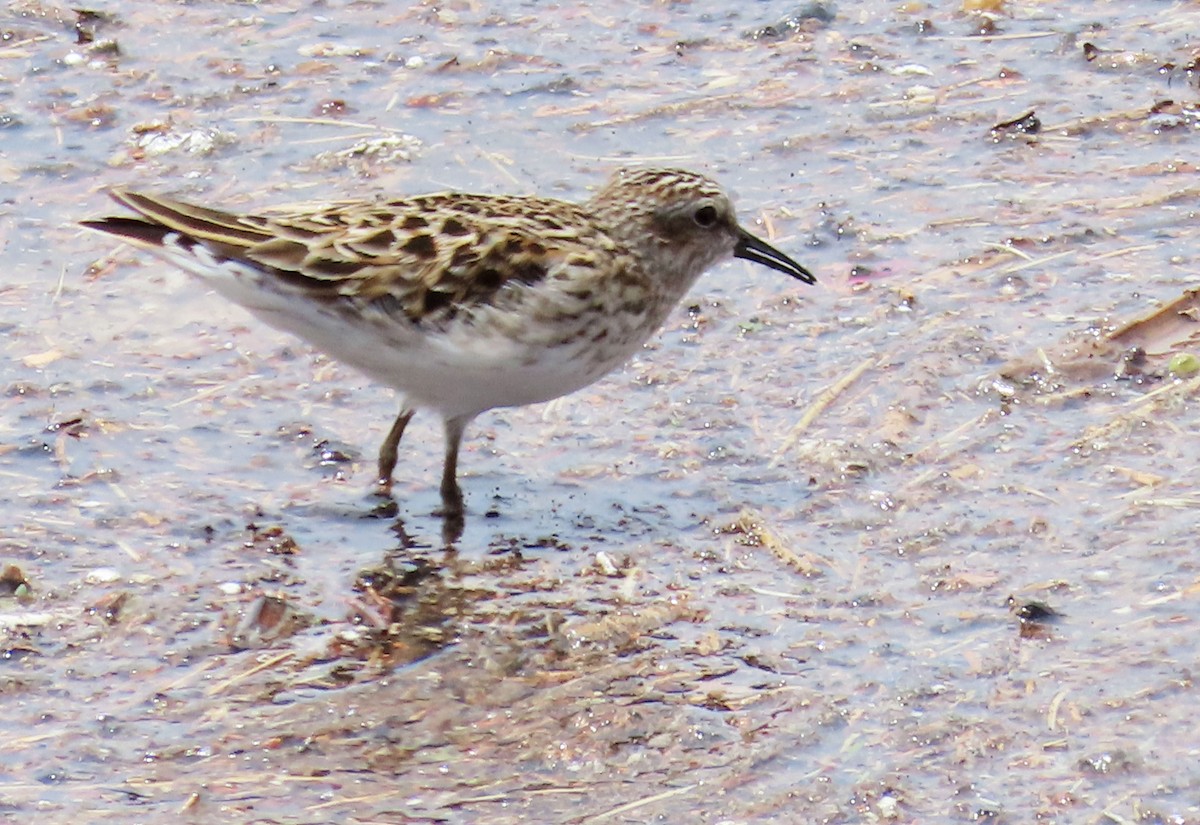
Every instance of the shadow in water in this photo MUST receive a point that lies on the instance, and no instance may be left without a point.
(384, 506)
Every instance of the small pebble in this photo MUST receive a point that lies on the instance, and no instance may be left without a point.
(103, 575)
(607, 566)
(1183, 364)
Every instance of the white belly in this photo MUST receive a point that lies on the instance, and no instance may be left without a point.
(462, 372)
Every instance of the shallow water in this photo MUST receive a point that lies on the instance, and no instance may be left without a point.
(762, 574)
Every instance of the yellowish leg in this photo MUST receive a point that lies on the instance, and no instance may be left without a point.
(387, 453)
(452, 500)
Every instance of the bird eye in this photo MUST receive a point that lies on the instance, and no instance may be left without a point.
(706, 216)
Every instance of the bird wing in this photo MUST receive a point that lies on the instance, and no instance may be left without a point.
(428, 256)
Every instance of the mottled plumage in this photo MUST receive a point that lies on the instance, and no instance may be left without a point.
(463, 302)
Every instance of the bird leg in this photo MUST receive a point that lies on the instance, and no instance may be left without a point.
(452, 499)
(387, 452)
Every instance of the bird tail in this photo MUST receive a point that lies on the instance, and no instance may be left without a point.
(161, 216)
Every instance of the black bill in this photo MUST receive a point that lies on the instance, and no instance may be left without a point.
(760, 252)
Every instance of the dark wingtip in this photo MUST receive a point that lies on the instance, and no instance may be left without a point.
(133, 229)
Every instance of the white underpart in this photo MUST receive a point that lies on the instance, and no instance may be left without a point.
(459, 373)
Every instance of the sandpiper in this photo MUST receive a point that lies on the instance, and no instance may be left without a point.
(462, 302)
